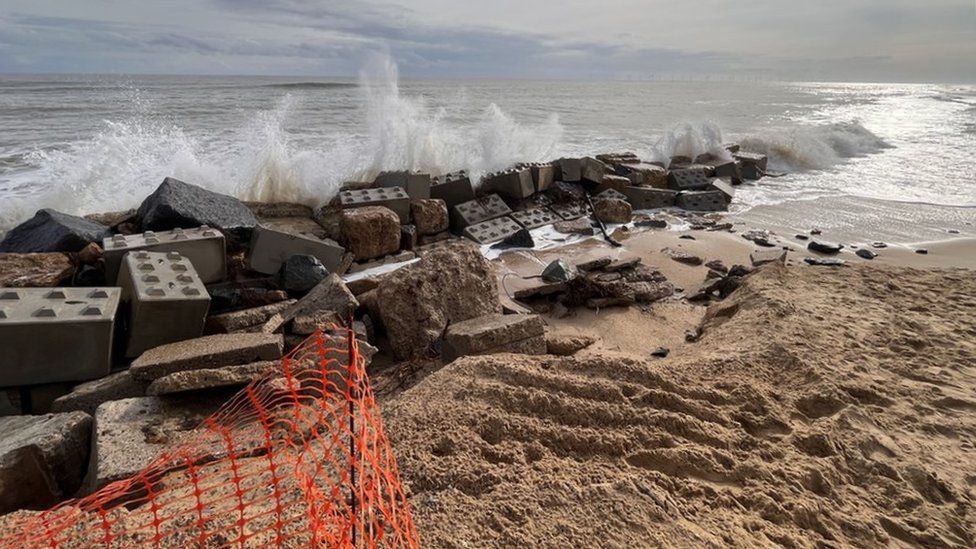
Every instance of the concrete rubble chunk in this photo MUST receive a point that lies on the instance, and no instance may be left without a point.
(495, 333)
(762, 257)
(235, 321)
(40, 270)
(209, 378)
(370, 232)
(42, 458)
(206, 352)
(52, 231)
(430, 216)
(682, 256)
(330, 295)
(612, 210)
(301, 273)
(130, 433)
(307, 324)
(88, 396)
(445, 287)
(175, 204)
(567, 345)
(579, 226)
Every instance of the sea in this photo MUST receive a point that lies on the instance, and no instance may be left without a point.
(872, 160)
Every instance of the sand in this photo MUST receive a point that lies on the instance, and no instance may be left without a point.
(820, 408)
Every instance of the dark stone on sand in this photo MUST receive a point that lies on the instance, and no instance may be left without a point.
(866, 253)
(557, 271)
(878, 245)
(739, 270)
(802, 237)
(922, 251)
(53, 231)
(824, 247)
(815, 231)
(301, 273)
(760, 237)
(686, 237)
(661, 352)
(176, 204)
(650, 222)
(521, 239)
(824, 262)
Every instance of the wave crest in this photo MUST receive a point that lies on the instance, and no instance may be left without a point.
(806, 148)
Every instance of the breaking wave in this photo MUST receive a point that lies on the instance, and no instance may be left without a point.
(805, 148)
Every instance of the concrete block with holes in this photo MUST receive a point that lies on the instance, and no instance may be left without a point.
(164, 299)
(52, 335)
(203, 246)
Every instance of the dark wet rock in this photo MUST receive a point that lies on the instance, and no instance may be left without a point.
(687, 237)
(521, 239)
(661, 352)
(815, 231)
(651, 222)
(52, 231)
(176, 204)
(557, 271)
(301, 273)
(801, 237)
(866, 253)
(739, 270)
(760, 237)
(717, 265)
(824, 247)
(824, 262)
(682, 256)
(922, 251)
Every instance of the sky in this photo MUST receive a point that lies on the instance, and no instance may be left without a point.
(838, 40)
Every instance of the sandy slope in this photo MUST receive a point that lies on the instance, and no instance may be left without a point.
(821, 408)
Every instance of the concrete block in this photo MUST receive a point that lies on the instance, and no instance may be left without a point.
(492, 230)
(610, 194)
(702, 201)
(478, 210)
(50, 335)
(453, 188)
(164, 298)
(88, 396)
(571, 211)
(206, 352)
(394, 198)
(270, 248)
(39, 399)
(593, 170)
(753, 164)
(726, 187)
(203, 246)
(236, 321)
(731, 169)
(615, 182)
(647, 198)
(543, 175)
(416, 184)
(570, 169)
(495, 333)
(644, 174)
(536, 217)
(303, 226)
(691, 178)
(515, 183)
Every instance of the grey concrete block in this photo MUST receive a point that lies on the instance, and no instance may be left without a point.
(691, 178)
(165, 300)
(453, 188)
(515, 183)
(42, 458)
(593, 170)
(478, 210)
(648, 198)
(416, 184)
(570, 169)
(270, 248)
(702, 201)
(726, 187)
(495, 333)
(394, 198)
(206, 352)
(753, 165)
(543, 175)
(492, 230)
(49, 335)
(569, 212)
(536, 217)
(644, 174)
(203, 246)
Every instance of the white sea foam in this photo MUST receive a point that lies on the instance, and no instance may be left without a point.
(804, 148)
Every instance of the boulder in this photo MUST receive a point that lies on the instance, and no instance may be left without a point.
(301, 273)
(330, 295)
(52, 231)
(236, 321)
(176, 204)
(566, 345)
(130, 433)
(495, 333)
(612, 210)
(430, 216)
(87, 397)
(210, 378)
(34, 270)
(370, 232)
(206, 352)
(824, 247)
(865, 253)
(42, 458)
(445, 287)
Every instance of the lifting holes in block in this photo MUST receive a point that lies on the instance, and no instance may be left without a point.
(74, 302)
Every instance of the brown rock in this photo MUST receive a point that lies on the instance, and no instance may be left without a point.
(682, 256)
(429, 215)
(40, 270)
(370, 232)
(209, 378)
(112, 219)
(89, 255)
(445, 287)
(566, 345)
(206, 352)
(495, 333)
(612, 210)
(267, 210)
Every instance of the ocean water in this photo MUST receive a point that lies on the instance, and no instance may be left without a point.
(98, 143)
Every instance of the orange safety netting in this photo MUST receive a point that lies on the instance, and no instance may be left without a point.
(296, 459)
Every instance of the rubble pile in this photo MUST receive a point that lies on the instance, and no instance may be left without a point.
(127, 328)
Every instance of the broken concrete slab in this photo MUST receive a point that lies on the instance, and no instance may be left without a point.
(580, 226)
(175, 204)
(370, 232)
(206, 352)
(88, 396)
(42, 459)
(52, 231)
(567, 345)
(236, 321)
(330, 295)
(39, 270)
(495, 333)
(130, 433)
(430, 216)
(210, 378)
(308, 323)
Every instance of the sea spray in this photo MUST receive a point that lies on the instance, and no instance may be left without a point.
(804, 148)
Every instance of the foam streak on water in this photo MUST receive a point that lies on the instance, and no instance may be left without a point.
(84, 144)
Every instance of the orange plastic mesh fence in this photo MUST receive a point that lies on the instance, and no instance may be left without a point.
(297, 459)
